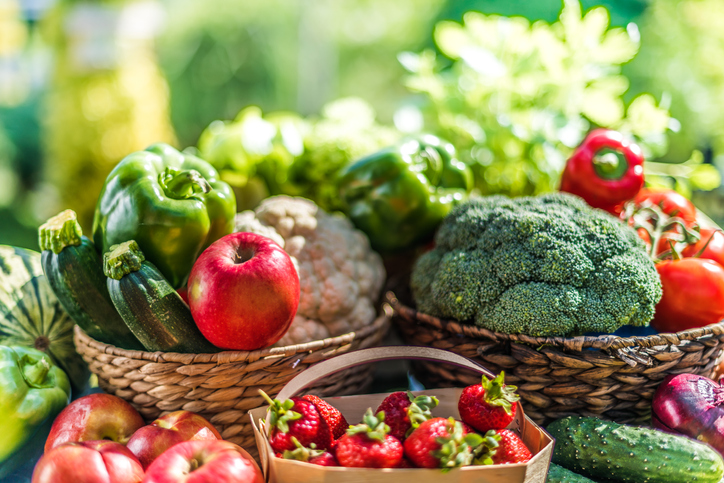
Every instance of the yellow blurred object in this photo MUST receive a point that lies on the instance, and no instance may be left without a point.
(13, 32)
(108, 97)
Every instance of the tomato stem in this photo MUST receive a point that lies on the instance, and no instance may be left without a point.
(701, 252)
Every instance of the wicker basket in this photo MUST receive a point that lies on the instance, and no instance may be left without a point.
(223, 387)
(607, 376)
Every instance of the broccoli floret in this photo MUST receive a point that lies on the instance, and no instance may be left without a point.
(543, 266)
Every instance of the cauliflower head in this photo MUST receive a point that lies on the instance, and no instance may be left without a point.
(340, 277)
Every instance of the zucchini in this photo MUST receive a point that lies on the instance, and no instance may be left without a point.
(31, 316)
(75, 273)
(148, 304)
(558, 474)
(611, 451)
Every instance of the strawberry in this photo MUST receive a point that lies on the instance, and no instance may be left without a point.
(368, 445)
(404, 412)
(331, 415)
(310, 455)
(489, 405)
(511, 449)
(500, 448)
(296, 418)
(441, 443)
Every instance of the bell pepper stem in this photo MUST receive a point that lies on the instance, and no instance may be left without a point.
(60, 231)
(34, 372)
(610, 164)
(182, 185)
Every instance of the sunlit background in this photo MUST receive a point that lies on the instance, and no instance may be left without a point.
(279, 94)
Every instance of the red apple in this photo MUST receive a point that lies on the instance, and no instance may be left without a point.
(88, 462)
(243, 292)
(150, 441)
(94, 417)
(204, 462)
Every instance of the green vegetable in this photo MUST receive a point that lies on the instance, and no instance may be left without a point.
(31, 316)
(32, 392)
(151, 308)
(558, 474)
(253, 153)
(612, 451)
(399, 196)
(516, 97)
(75, 273)
(282, 153)
(346, 131)
(171, 203)
(541, 266)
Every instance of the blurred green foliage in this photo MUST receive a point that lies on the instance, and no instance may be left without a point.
(516, 97)
(220, 56)
(682, 48)
(621, 11)
(284, 153)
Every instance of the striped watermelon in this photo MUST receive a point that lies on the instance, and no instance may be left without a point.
(30, 315)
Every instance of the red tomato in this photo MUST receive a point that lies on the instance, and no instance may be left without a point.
(671, 202)
(714, 250)
(693, 294)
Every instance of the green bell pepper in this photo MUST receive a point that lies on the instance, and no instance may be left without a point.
(33, 391)
(171, 203)
(399, 195)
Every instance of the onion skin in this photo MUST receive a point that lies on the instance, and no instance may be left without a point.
(691, 405)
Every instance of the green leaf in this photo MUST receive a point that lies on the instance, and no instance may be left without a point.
(602, 106)
(617, 47)
(645, 117)
(705, 177)
(451, 38)
(410, 61)
(570, 18)
(595, 23)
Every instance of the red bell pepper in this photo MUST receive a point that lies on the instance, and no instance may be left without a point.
(606, 170)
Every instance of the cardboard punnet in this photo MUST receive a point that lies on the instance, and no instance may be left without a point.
(277, 470)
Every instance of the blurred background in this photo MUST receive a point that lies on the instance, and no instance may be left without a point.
(279, 94)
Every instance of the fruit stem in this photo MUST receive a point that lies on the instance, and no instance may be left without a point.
(59, 232)
(701, 252)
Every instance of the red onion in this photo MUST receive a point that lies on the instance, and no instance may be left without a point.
(691, 405)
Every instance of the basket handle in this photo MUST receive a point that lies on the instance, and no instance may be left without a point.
(355, 358)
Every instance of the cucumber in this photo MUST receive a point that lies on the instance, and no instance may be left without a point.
(148, 304)
(616, 452)
(558, 474)
(75, 273)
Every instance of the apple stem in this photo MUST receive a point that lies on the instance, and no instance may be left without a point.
(194, 465)
(243, 254)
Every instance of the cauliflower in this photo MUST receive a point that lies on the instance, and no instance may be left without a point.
(340, 276)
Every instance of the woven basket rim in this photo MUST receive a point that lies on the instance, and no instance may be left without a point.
(239, 356)
(602, 342)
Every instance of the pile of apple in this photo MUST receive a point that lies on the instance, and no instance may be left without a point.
(101, 438)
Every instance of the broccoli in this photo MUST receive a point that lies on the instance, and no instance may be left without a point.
(543, 266)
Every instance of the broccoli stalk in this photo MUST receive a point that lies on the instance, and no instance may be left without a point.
(543, 266)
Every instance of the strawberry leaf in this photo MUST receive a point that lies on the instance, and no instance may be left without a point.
(281, 412)
(497, 393)
(454, 451)
(302, 453)
(484, 451)
(372, 425)
(420, 409)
